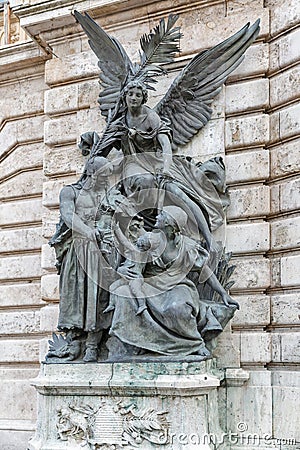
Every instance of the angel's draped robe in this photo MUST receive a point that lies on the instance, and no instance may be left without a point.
(203, 183)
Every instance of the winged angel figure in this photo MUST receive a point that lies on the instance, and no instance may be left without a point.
(177, 201)
(155, 134)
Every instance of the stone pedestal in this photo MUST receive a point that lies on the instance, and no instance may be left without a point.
(111, 406)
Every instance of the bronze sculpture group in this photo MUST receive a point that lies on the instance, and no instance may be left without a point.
(141, 275)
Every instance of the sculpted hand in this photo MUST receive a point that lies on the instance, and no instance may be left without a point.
(228, 301)
(127, 272)
(93, 234)
(213, 247)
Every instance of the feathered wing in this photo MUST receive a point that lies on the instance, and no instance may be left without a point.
(187, 102)
(113, 61)
(158, 47)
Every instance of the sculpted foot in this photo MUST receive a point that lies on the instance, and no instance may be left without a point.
(203, 351)
(91, 355)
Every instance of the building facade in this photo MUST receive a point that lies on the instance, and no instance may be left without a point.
(48, 96)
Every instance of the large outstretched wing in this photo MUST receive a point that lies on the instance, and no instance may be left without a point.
(187, 102)
(113, 61)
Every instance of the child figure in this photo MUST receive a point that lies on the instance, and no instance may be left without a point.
(136, 258)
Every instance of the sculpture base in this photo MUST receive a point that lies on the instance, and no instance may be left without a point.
(111, 406)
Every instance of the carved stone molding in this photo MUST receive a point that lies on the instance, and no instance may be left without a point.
(111, 424)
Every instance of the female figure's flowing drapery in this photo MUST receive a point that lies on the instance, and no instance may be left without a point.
(170, 325)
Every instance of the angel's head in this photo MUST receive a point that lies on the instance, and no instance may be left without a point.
(136, 89)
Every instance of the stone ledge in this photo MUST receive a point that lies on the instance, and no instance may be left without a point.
(238, 164)
(129, 378)
(236, 377)
(20, 56)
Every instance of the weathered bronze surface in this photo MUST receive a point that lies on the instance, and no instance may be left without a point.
(141, 273)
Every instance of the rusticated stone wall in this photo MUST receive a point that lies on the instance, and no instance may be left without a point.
(49, 97)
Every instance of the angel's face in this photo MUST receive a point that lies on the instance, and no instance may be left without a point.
(134, 97)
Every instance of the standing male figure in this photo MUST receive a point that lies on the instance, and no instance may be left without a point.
(80, 261)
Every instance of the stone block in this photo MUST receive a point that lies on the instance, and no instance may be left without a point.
(285, 50)
(247, 131)
(20, 239)
(290, 195)
(50, 219)
(255, 348)
(20, 294)
(50, 287)
(285, 159)
(68, 128)
(49, 318)
(72, 97)
(254, 311)
(286, 394)
(284, 14)
(16, 440)
(228, 349)
(14, 133)
(288, 430)
(274, 127)
(251, 274)
(249, 202)
(51, 190)
(71, 68)
(18, 397)
(63, 160)
(19, 322)
(275, 272)
(208, 143)
(205, 21)
(289, 122)
(247, 96)
(290, 270)
(284, 87)
(22, 185)
(247, 238)
(275, 198)
(255, 63)
(88, 92)
(21, 212)
(20, 267)
(22, 158)
(290, 347)
(249, 407)
(62, 130)
(19, 351)
(247, 166)
(286, 347)
(90, 120)
(21, 98)
(61, 99)
(48, 257)
(285, 309)
(285, 234)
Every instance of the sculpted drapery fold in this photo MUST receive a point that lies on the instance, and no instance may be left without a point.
(140, 270)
